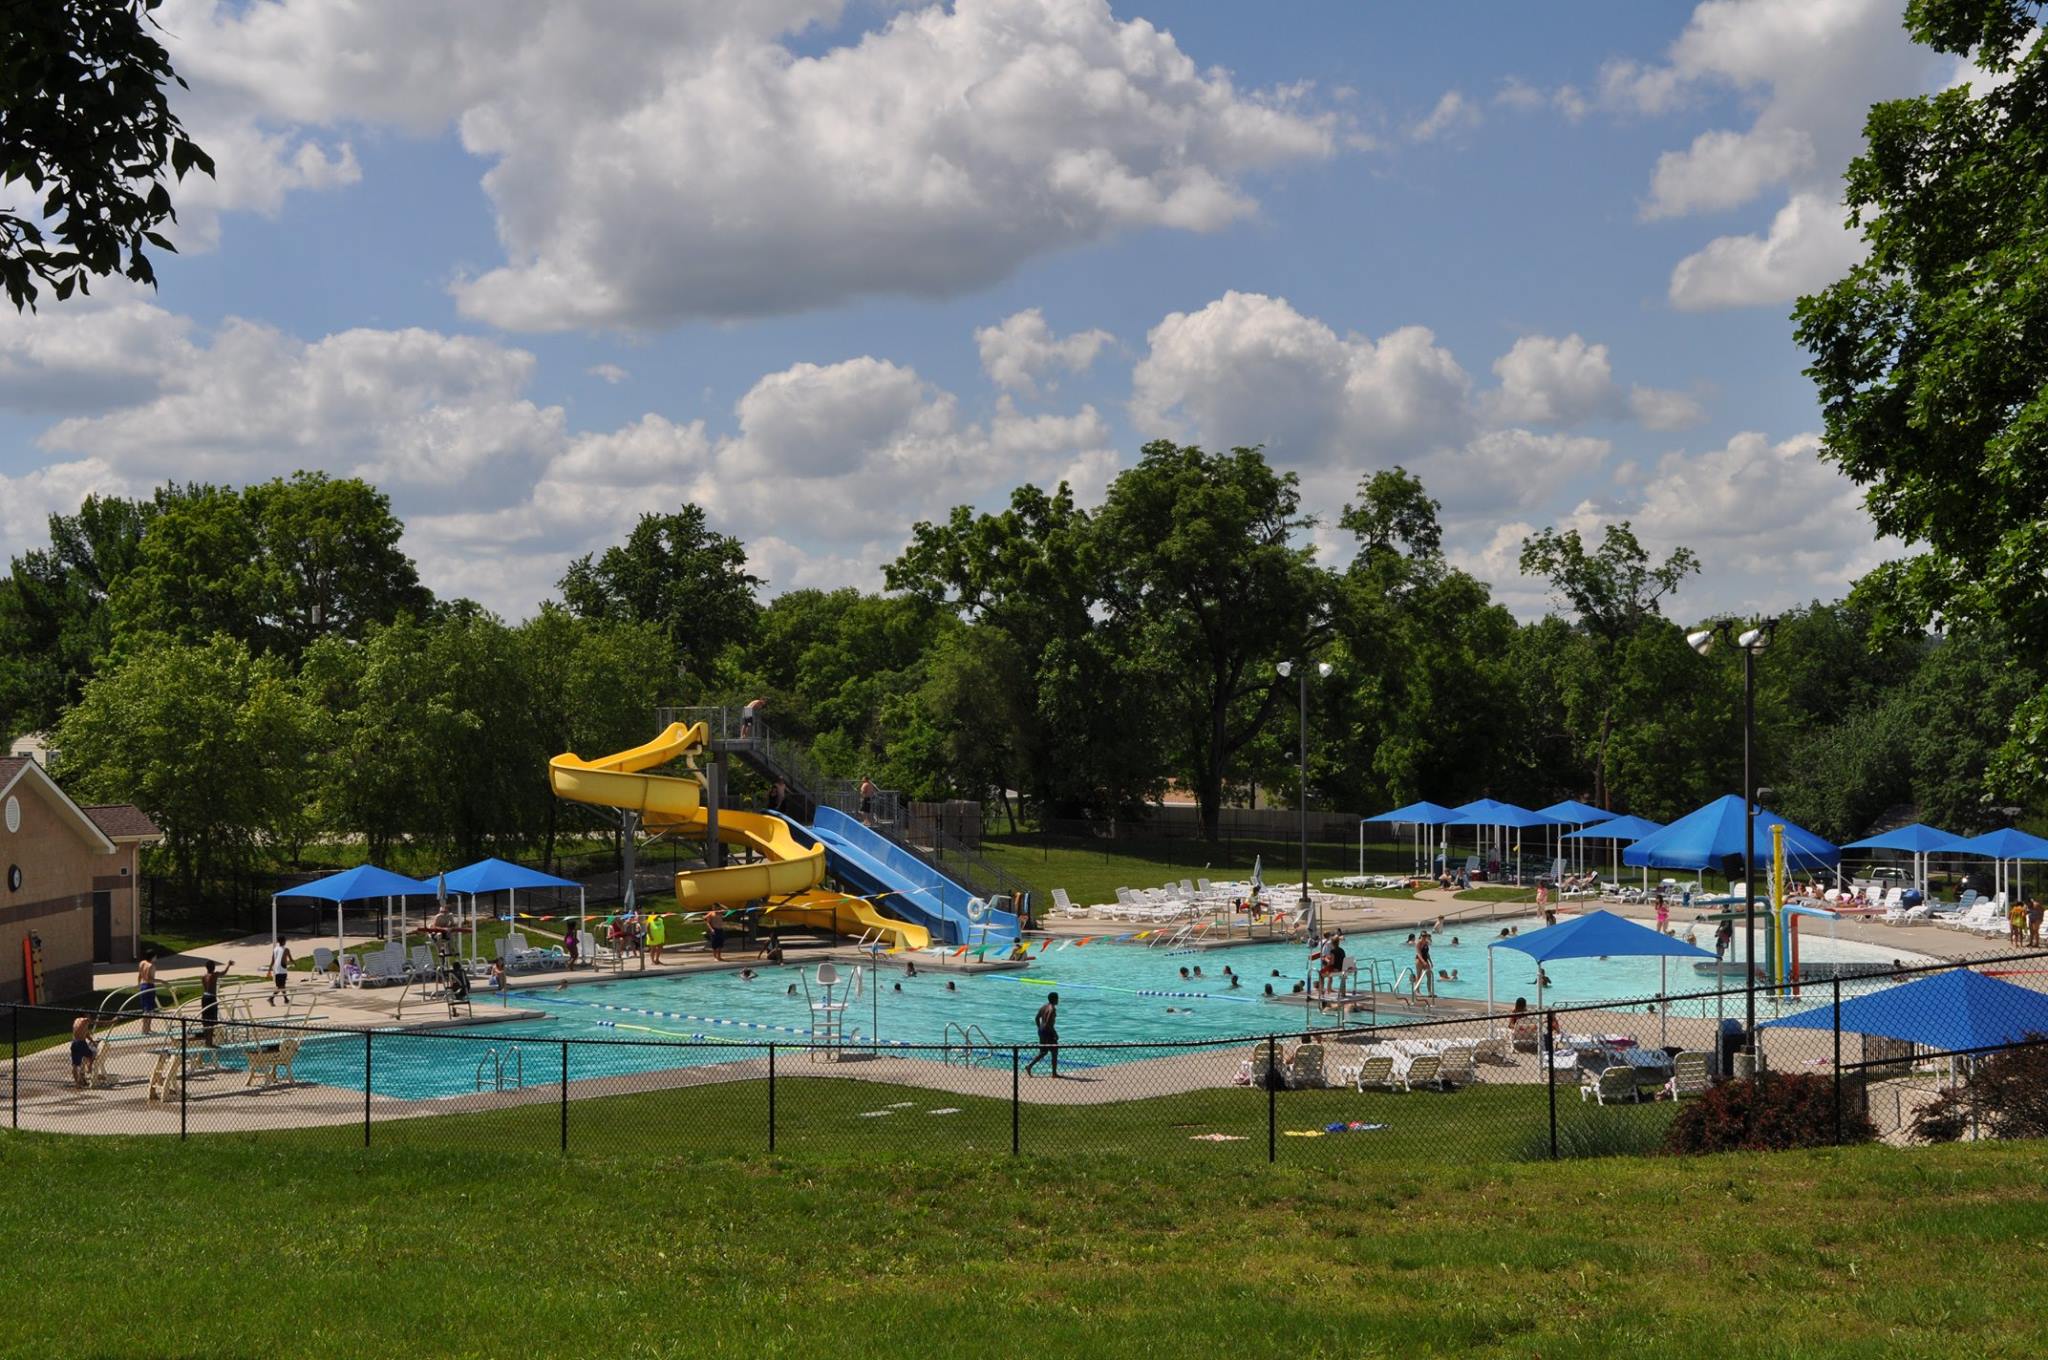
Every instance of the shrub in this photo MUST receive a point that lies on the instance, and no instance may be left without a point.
(2005, 1096)
(1774, 1112)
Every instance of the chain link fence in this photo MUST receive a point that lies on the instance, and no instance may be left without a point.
(1924, 1054)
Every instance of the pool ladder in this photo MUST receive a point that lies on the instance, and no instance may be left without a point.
(968, 1035)
(495, 1060)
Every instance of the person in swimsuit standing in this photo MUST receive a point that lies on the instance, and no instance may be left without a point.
(867, 799)
(1048, 1021)
(145, 989)
(83, 1051)
(209, 1001)
(1424, 974)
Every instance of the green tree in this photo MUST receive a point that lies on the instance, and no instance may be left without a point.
(1202, 570)
(86, 126)
(591, 686)
(208, 739)
(1927, 354)
(276, 565)
(1085, 735)
(672, 571)
(54, 624)
(1616, 591)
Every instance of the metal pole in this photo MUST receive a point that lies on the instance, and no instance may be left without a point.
(366, 1088)
(1838, 1059)
(1749, 848)
(771, 1097)
(1308, 910)
(14, 1063)
(1016, 1097)
(1272, 1098)
(1548, 1043)
(184, 1048)
(565, 1095)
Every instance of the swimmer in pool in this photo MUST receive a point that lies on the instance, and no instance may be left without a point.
(1454, 941)
(1183, 973)
(950, 987)
(748, 975)
(1233, 980)
(1269, 989)
(791, 991)
(1198, 970)
(899, 986)
(1274, 973)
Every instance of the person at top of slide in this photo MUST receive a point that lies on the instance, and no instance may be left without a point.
(750, 717)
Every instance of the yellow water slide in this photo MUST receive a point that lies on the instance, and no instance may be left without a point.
(787, 875)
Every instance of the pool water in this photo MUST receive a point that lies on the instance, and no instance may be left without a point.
(1109, 993)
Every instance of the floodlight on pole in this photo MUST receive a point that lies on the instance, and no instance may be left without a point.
(1285, 670)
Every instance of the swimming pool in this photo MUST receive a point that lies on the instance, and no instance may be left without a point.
(1109, 993)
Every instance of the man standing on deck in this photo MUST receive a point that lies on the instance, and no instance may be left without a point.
(1048, 1035)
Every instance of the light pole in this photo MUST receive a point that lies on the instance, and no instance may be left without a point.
(1752, 640)
(1285, 669)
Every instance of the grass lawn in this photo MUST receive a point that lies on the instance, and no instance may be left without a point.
(1498, 894)
(232, 1248)
(1092, 871)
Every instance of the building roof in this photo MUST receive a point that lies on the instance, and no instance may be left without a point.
(14, 769)
(123, 822)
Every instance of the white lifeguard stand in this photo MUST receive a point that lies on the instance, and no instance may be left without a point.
(828, 1014)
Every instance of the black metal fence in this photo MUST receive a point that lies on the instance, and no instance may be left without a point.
(1607, 1079)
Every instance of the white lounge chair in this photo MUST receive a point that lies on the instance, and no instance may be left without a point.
(272, 1065)
(1424, 1069)
(1689, 1074)
(1615, 1085)
(1305, 1069)
(1459, 1066)
(1376, 1072)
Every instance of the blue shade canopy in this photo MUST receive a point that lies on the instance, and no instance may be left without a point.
(1620, 829)
(2011, 843)
(497, 875)
(1711, 836)
(1919, 838)
(1490, 812)
(1424, 813)
(1945, 1011)
(1598, 934)
(1574, 813)
(357, 884)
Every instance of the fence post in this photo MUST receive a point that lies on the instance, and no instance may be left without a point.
(1549, 1050)
(1838, 1059)
(184, 1047)
(14, 1063)
(1016, 1098)
(366, 1088)
(771, 1097)
(565, 1095)
(1272, 1098)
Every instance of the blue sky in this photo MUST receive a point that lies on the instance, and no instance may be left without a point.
(829, 268)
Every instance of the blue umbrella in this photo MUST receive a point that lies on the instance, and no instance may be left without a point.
(497, 875)
(1574, 813)
(2002, 845)
(1597, 934)
(363, 883)
(1710, 837)
(1418, 815)
(1493, 812)
(1948, 1012)
(1918, 840)
(1622, 831)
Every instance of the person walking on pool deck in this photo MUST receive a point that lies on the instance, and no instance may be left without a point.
(714, 935)
(145, 989)
(280, 968)
(2033, 923)
(657, 935)
(1048, 1035)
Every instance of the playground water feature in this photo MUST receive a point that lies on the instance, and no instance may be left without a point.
(1110, 993)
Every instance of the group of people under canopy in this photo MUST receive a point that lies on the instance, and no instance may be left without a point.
(369, 883)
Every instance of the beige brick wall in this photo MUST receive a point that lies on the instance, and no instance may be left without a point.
(58, 866)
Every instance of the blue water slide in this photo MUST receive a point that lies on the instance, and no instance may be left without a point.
(900, 883)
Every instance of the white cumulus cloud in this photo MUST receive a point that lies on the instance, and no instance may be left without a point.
(1021, 352)
(657, 160)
